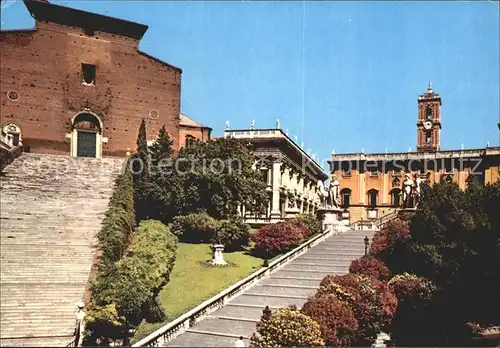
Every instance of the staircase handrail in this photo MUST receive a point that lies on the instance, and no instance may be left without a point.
(185, 321)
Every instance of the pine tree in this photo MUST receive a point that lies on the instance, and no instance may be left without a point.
(141, 174)
(161, 148)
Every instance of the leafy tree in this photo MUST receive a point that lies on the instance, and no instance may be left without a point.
(217, 176)
(455, 243)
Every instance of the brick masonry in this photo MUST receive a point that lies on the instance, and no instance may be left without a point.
(44, 66)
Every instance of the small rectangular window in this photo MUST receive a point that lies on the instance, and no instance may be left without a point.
(88, 74)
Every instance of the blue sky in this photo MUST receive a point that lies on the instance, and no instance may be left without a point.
(349, 72)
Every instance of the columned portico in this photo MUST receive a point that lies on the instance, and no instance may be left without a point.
(291, 173)
(276, 176)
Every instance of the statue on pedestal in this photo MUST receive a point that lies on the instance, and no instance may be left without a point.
(322, 193)
(418, 190)
(334, 193)
(408, 188)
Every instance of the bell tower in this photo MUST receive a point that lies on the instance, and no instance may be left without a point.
(429, 121)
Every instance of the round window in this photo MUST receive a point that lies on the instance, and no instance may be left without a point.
(13, 95)
(154, 114)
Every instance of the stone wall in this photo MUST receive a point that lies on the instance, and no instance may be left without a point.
(43, 66)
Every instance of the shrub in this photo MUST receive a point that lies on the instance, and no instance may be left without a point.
(370, 266)
(397, 230)
(302, 227)
(414, 297)
(408, 287)
(372, 301)
(275, 238)
(132, 283)
(194, 228)
(287, 327)
(335, 317)
(102, 324)
(312, 222)
(119, 222)
(233, 233)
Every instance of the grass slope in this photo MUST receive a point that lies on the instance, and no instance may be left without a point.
(191, 282)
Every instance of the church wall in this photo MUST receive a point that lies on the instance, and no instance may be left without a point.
(44, 67)
(201, 134)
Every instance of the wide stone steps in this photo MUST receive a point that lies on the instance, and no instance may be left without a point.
(293, 284)
(37, 341)
(51, 208)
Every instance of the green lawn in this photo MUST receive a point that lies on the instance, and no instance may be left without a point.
(191, 283)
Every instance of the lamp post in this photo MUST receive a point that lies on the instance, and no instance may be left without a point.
(367, 241)
(80, 315)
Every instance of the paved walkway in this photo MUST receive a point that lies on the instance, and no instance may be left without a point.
(291, 285)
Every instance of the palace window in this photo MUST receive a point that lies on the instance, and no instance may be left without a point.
(190, 140)
(346, 172)
(372, 198)
(345, 194)
(396, 197)
(88, 74)
(373, 172)
(396, 171)
(428, 113)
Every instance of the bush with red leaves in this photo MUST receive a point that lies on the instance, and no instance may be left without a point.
(397, 230)
(370, 266)
(373, 302)
(304, 230)
(275, 238)
(409, 287)
(336, 318)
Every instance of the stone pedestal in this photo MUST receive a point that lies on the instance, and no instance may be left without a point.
(217, 255)
(292, 212)
(331, 218)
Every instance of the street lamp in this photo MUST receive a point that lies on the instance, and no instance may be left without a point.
(80, 315)
(367, 241)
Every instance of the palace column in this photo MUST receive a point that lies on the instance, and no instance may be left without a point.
(276, 179)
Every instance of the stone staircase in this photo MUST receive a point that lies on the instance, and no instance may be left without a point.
(51, 210)
(291, 285)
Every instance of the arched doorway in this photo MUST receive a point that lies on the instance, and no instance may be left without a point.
(86, 139)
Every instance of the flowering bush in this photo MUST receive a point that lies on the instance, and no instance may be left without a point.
(370, 266)
(286, 327)
(395, 230)
(335, 317)
(373, 302)
(311, 222)
(275, 238)
(408, 287)
(414, 296)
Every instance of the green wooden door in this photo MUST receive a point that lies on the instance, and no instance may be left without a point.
(86, 145)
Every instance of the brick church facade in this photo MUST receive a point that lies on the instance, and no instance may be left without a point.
(78, 84)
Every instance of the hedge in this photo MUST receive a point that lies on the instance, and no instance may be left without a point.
(132, 283)
(119, 222)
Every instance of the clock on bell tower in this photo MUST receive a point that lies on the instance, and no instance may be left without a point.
(429, 121)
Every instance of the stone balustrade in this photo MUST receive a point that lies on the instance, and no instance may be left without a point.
(178, 326)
